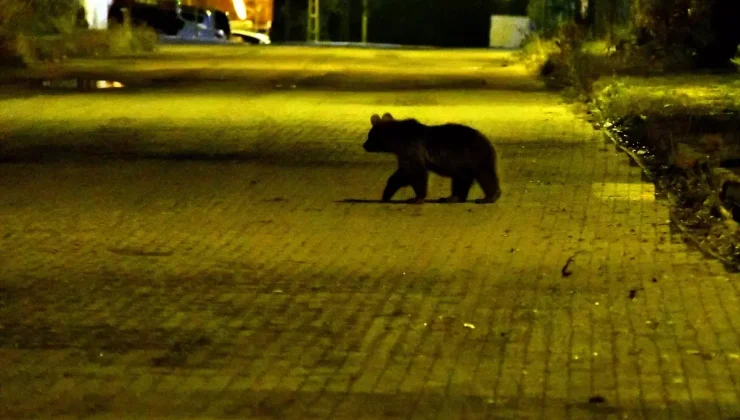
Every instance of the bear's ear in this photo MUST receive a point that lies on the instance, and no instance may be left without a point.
(387, 117)
(375, 119)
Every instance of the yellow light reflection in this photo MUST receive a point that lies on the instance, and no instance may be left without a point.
(624, 191)
(105, 84)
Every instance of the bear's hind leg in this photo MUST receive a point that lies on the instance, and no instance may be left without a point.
(488, 180)
(461, 184)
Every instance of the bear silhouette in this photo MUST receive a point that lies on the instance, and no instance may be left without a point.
(451, 150)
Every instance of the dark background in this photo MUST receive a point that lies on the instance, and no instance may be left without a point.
(461, 23)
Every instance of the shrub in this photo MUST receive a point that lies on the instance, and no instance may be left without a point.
(699, 33)
(125, 39)
(50, 30)
(536, 50)
(14, 51)
(116, 41)
(570, 67)
(144, 39)
(38, 17)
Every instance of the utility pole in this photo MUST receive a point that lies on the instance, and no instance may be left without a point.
(364, 21)
(314, 25)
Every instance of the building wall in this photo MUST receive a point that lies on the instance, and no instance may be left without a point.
(96, 13)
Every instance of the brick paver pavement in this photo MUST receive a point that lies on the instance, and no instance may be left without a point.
(252, 289)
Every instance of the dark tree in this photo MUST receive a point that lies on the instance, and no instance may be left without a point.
(40, 17)
(432, 22)
(702, 32)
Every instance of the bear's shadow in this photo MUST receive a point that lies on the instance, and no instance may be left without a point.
(365, 201)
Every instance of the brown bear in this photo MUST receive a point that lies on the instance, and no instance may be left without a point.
(451, 150)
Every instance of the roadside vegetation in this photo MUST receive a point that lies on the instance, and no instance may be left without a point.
(53, 30)
(663, 84)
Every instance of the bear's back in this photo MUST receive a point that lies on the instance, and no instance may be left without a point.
(451, 147)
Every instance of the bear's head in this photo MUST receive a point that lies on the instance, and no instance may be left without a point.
(389, 135)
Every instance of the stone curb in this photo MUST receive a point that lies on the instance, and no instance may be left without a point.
(685, 230)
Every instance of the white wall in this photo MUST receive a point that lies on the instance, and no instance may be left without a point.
(96, 12)
(508, 31)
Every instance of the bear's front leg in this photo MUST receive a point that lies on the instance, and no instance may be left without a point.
(396, 181)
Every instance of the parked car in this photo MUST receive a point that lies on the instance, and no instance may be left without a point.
(250, 37)
(203, 24)
(184, 22)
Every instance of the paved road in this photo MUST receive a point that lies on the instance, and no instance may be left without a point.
(249, 288)
(357, 68)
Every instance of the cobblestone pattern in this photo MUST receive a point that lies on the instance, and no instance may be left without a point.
(251, 289)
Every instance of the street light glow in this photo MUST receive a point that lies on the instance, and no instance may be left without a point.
(241, 9)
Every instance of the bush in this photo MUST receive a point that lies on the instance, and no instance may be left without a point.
(23, 50)
(536, 50)
(38, 17)
(124, 39)
(10, 12)
(698, 33)
(570, 67)
(665, 35)
(50, 30)
(549, 15)
(14, 51)
(116, 41)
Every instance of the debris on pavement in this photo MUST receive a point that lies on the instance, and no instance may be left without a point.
(597, 399)
(565, 272)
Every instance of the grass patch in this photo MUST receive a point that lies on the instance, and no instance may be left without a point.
(665, 96)
(676, 120)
